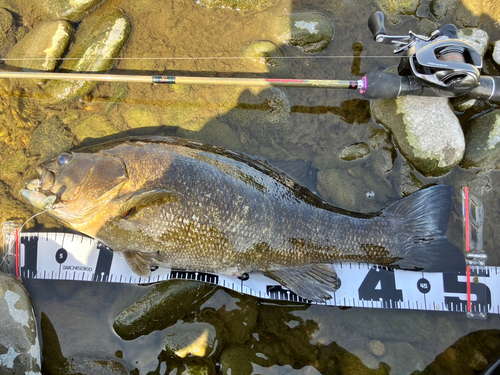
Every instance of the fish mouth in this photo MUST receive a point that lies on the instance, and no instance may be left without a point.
(38, 190)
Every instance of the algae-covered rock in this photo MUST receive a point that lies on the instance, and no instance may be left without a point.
(13, 166)
(426, 131)
(166, 303)
(265, 52)
(355, 151)
(195, 339)
(140, 116)
(7, 31)
(95, 126)
(240, 360)
(41, 48)
(196, 369)
(67, 9)
(237, 4)
(393, 8)
(19, 344)
(238, 312)
(483, 142)
(312, 31)
(478, 38)
(99, 39)
(49, 139)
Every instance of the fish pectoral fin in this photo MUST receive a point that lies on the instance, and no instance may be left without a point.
(143, 198)
(313, 282)
(140, 263)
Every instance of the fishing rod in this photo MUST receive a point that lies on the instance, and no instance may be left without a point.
(437, 65)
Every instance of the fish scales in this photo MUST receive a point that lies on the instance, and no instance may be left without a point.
(198, 207)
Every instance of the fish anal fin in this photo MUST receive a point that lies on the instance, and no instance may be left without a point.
(143, 198)
(314, 282)
(140, 263)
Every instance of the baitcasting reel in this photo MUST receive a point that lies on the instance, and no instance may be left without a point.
(437, 65)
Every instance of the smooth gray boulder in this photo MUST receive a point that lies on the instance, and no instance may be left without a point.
(19, 344)
(477, 38)
(426, 131)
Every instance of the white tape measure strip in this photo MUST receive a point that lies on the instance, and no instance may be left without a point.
(64, 256)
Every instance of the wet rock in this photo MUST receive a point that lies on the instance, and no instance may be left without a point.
(483, 142)
(403, 358)
(312, 31)
(468, 356)
(426, 131)
(462, 103)
(238, 312)
(95, 126)
(19, 344)
(368, 359)
(350, 363)
(42, 47)
(140, 116)
(216, 133)
(496, 51)
(376, 347)
(442, 8)
(99, 39)
(237, 4)
(355, 151)
(68, 9)
(196, 369)
(240, 360)
(14, 166)
(166, 303)
(478, 38)
(265, 52)
(196, 339)
(393, 8)
(427, 26)
(49, 139)
(7, 31)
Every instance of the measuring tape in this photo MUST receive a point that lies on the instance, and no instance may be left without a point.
(64, 256)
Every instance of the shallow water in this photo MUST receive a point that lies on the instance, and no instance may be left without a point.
(176, 37)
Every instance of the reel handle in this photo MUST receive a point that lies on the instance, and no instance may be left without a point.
(376, 24)
(380, 85)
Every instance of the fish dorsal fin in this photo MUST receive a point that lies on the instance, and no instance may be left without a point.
(313, 281)
(143, 198)
(140, 263)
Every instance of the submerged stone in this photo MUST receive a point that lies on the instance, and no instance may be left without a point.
(483, 142)
(49, 139)
(312, 31)
(68, 9)
(196, 339)
(41, 48)
(236, 4)
(166, 303)
(265, 52)
(95, 126)
(19, 344)
(355, 151)
(7, 31)
(99, 40)
(393, 8)
(442, 8)
(426, 131)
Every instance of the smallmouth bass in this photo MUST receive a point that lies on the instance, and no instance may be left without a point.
(188, 205)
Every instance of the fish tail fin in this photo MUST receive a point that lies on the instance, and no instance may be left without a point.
(424, 217)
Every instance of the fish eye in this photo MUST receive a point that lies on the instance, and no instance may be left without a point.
(63, 158)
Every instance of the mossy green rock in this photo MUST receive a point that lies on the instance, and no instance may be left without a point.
(312, 31)
(426, 131)
(99, 40)
(95, 126)
(49, 139)
(393, 8)
(68, 9)
(265, 52)
(42, 47)
(166, 303)
(483, 142)
(140, 116)
(19, 345)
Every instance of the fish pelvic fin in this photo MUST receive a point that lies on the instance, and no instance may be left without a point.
(314, 282)
(140, 263)
(424, 217)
